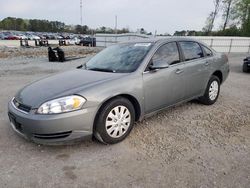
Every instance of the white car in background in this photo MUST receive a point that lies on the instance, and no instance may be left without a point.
(22, 36)
(73, 41)
(32, 37)
(58, 37)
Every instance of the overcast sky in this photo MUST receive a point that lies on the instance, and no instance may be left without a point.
(161, 15)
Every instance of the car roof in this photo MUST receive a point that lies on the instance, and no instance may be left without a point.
(162, 40)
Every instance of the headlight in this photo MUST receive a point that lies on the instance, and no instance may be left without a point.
(61, 105)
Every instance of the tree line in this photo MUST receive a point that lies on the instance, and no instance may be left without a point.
(36, 25)
(235, 16)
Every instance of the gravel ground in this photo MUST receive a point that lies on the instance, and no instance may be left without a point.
(190, 145)
(33, 52)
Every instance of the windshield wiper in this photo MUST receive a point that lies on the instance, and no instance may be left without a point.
(101, 69)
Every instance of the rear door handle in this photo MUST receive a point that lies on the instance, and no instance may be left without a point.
(179, 71)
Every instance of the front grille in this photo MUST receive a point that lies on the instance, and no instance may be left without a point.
(53, 136)
(21, 106)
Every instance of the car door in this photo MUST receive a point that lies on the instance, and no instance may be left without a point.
(164, 87)
(196, 69)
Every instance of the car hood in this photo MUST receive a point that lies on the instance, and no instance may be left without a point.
(62, 84)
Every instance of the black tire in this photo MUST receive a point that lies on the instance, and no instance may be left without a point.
(245, 68)
(205, 99)
(100, 131)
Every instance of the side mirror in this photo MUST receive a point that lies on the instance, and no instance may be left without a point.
(158, 65)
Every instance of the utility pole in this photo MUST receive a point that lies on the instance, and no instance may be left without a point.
(115, 24)
(81, 12)
(155, 33)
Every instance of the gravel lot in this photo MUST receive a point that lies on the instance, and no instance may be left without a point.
(190, 145)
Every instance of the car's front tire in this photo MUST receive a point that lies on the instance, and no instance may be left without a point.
(114, 121)
(212, 91)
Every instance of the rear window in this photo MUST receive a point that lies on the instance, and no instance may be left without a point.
(191, 50)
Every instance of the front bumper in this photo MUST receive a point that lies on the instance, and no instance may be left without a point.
(52, 129)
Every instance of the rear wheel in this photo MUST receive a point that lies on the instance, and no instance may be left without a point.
(212, 91)
(115, 121)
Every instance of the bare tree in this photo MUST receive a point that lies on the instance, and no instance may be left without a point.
(227, 10)
(242, 10)
(212, 16)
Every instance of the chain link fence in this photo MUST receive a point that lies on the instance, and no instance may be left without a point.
(220, 44)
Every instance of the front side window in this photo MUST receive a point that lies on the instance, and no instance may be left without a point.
(168, 54)
(191, 50)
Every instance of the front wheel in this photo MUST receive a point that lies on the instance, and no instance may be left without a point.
(212, 91)
(115, 121)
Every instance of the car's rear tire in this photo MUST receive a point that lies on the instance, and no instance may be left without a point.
(212, 91)
(114, 121)
(245, 68)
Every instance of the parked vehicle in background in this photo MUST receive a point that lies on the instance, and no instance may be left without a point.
(32, 36)
(120, 85)
(73, 41)
(246, 64)
(41, 36)
(2, 36)
(58, 37)
(87, 41)
(12, 37)
(66, 36)
(22, 36)
(51, 36)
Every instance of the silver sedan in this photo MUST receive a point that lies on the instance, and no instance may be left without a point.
(122, 84)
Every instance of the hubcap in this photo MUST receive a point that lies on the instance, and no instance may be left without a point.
(213, 90)
(118, 121)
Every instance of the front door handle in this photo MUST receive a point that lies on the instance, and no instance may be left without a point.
(207, 63)
(179, 71)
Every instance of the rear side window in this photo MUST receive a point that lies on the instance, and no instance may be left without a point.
(207, 51)
(191, 50)
(167, 54)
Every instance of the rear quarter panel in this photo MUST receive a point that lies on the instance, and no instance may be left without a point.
(220, 63)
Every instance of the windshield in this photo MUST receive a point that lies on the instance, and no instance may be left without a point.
(121, 58)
